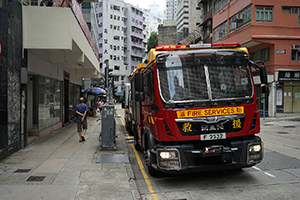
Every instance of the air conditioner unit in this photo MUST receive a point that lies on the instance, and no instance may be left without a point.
(296, 46)
(239, 16)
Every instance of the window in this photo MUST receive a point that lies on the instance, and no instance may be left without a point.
(241, 18)
(116, 78)
(262, 54)
(49, 102)
(220, 31)
(34, 3)
(264, 14)
(295, 52)
(219, 4)
(86, 5)
(149, 85)
(116, 67)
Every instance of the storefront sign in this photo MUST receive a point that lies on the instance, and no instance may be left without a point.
(289, 76)
(297, 94)
(280, 51)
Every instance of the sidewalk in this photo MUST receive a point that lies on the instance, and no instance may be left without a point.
(59, 167)
(282, 117)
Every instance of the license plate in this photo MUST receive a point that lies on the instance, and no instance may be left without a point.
(213, 136)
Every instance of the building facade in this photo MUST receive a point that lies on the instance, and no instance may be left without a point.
(43, 62)
(270, 29)
(187, 16)
(206, 8)
(171, 9)
(121, 38)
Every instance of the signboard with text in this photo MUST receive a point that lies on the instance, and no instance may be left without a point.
(289, 76)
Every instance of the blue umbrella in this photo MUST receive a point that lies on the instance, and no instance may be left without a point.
(119, 93)
(95, 90)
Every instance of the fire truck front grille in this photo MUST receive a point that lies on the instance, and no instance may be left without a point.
(199, 127)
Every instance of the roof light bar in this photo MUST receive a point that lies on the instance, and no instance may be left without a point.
(170, 47)
(195, 46)
(200, 45)
(230, 44)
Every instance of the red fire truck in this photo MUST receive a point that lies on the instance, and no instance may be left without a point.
(194, 108)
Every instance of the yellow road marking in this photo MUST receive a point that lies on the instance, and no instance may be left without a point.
(139, 161)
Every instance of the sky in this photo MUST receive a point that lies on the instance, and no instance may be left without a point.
(145, 3)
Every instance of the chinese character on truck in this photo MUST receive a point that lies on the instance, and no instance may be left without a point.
(194, 108)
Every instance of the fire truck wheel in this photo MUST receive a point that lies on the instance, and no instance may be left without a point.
(149, 159)
(136, 143)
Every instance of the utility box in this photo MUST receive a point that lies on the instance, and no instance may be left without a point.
(108, 127)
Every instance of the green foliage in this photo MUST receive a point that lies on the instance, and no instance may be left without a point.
(196, 41)
(152, 41)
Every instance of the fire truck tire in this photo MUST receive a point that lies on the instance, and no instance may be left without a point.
(137, 146)
(149, 159)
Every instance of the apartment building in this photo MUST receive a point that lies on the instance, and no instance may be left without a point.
(270, 29)
(206, 8)
(121, 37)
(146, 30)
(187, 16)
(171, 9)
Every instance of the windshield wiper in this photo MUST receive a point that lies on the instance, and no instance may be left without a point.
(184, 104)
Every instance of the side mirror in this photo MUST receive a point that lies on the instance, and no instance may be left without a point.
(139, 97)
(263, 75)
(265, 89)
(139, 82)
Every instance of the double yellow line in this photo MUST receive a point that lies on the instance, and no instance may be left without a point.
(139, 161)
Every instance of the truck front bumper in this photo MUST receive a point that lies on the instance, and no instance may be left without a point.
(208, 156)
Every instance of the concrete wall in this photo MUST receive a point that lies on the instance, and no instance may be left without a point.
(166, 35)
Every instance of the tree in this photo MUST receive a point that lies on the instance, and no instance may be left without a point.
(152, 41)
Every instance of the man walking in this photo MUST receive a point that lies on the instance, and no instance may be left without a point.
(81, 111)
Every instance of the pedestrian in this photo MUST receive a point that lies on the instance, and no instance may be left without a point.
(100, 104)
(81, 111)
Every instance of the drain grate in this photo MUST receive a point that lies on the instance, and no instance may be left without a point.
(114, 158)
(282, 132)
(22, 171)
(36, 178)
(289, 126)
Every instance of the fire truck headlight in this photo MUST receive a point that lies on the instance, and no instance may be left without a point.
(255, 148)
(168, 159)
(167, 154)
(255, 153)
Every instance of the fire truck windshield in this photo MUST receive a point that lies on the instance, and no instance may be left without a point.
(204, 76)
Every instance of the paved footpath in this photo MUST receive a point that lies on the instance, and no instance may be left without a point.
(59, 167)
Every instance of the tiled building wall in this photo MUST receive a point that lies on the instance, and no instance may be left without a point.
(10, 70)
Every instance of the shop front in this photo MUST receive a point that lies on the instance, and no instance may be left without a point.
(288, 92)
